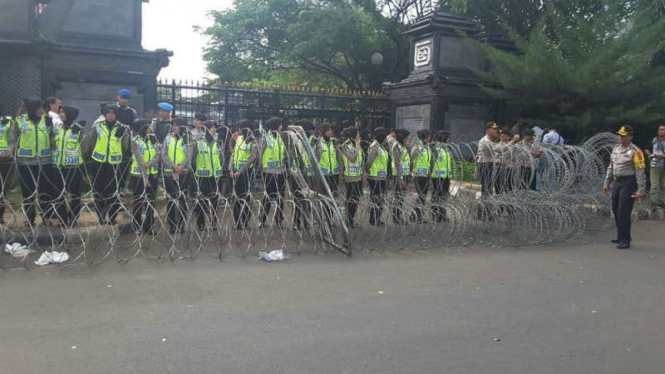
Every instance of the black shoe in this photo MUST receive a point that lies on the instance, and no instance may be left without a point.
(623, 245)
(615, 241)
(202, 228)
(172, 230)
(381, 224)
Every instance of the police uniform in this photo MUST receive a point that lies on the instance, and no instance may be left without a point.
(145, 150)
(401, 167)
(208, 159)
(176, 152)
(352, 158)
(329, 162)
(5, 162)
(301, 165)
(68, 160)
(627, 174)
(273, 167)
(442, 168)
(244, 153)
(107, 156)
(422, 166)
(377, 174)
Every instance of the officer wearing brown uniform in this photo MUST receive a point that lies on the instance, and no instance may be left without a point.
(626, 170)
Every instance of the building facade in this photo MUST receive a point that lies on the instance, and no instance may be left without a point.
(81, 50)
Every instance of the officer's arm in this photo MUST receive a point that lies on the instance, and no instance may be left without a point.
(166, 162)
(139, 159)
(370, 158)
(89, 140)
(253, 154)
(609, 175)
(11, 136)
(640, 167)
(398, 161)
(156, 159)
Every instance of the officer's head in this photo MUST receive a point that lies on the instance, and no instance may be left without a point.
(53, 104)
(625, 134)
(33, 107)
(165, 110)
(306, 125)
(326, 130)
(68, 114)
(379, 134)
(441, 136)
(401, 135)
(199, 118)
(491, 129)
(109, 113)
(124, 96)
(424, 136)
(661, 131)
(274, 124)
(528, 135)
(141, 127)
(179, 126)
(351, 133)
(505, 135)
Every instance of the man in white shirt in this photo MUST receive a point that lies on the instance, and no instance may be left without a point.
(543, 171)
(52, 105)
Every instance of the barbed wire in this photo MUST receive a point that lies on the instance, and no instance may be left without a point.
(216, 222)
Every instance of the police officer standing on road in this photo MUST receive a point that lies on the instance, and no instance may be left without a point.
(377, 174)
(626, 170)
(162, 125)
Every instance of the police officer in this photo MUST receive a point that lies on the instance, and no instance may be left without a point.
(485, 159)
(352, 158)
(245, 151)
(626, 171)
(273, 166)
(33, 135)
(176, 163)
(401, 169)
(326, 152)
(163, 123)
(68, 160)
(421, 154)
(442, 168)
(377, 174)
(143, 170)
(208, 158)
(108, 139)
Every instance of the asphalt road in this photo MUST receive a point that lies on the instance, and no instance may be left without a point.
(581, 307)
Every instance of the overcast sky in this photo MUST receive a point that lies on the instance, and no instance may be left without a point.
(169, 24)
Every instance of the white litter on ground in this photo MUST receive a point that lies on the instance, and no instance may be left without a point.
(52, 258)
(276, 255)
(17, 250)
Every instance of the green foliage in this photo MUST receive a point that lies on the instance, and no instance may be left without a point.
(323, 42)
(589, 72)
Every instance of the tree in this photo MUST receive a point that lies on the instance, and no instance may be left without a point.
(584, 72)
(331, 41)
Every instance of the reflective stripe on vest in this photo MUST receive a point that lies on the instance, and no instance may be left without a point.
(273, 154)
(176, 151)
(421, 164)
(149, 152)
(443, 164)
(353, 169)
(241, 153)
(33, 139)
(328, 161)
(68, 148)
(304, 158)
(405, 160)
(4, 131)
(208, 162)
(379, 167)
(108, 147)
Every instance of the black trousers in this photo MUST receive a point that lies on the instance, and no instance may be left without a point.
(5, 181)
(275, 187)
(241, 205)
(301, 205)
(176, 195)
(422, 187)
(440, 194)
(622, 206)
(398, 203)
(504, 180)
(527, 178)
(486, 176)
(72, 178)
(144, 201)
(377, 196)
(37, 184)
(105, 187)
(354, 192)
(207, 201)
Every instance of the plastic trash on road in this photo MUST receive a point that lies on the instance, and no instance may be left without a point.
(52, 258)
(17, 249)
(276, 255)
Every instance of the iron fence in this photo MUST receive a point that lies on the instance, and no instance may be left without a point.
(228, 105)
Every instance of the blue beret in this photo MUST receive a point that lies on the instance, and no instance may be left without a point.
(125, 93)
(165, 107)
